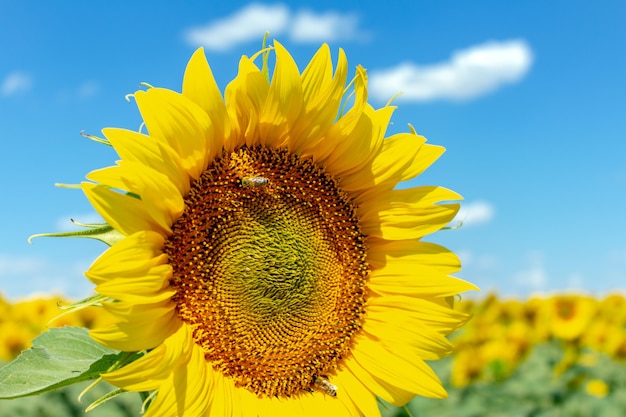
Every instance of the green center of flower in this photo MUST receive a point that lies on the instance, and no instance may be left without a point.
(270, 269)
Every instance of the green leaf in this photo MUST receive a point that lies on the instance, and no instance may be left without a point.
(59, 357)
(100, 231)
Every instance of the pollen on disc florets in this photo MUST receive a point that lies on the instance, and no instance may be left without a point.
(269, 263)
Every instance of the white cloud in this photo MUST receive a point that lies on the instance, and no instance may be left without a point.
(310, 27)
(486, 262)
(12, 265)
(16, 82)
(469, 73)
(476, 212)
(251, 23)
(481, 262)
(617, 256)
(81, 91)
(534, 276)
(466, 256)
(575, 281)
(31, 276)
(88, 89)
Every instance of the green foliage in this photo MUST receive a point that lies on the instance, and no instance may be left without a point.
(59, 357)
(64, 403)
(534, 390)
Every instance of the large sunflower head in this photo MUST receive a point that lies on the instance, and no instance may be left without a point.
(268, 263)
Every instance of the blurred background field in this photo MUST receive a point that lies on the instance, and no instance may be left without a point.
(549, 356)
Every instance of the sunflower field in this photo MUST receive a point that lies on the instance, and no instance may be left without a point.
(559, 355)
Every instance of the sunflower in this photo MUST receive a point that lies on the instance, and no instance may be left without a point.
(597, 388)
(268, 265)
(569, 315)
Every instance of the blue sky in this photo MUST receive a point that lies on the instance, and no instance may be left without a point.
(529, 98)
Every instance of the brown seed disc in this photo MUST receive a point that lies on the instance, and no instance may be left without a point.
(269, 264)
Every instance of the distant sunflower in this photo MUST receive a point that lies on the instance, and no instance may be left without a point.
(597, 388)
(569, 315)
(269, 265)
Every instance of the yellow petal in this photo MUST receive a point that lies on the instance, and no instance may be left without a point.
(284, 100)
(385, 390)
(277, 406)
(134, 290)
(434, 314)
(424, 196)
(408, 278)
(413, 267)
(222, 401)
(356, 151)
(426, 156)
(358, 393)
(407, 214)
(317, 404)
(409, 222)
(185, 393)
(248, 403)
(407, 337)
(391, 166)
(382, 252)
(124, 213)
(409, 285)
(182, 124)
(160, 196)
(141, 326)
(322, 100)
(200, 87)
(412, 376)
(245, 98)
(148, 372)
(356, 121)
(144, 149)
(140, 279)
(317, 75)
(164, 403)
(133, 256)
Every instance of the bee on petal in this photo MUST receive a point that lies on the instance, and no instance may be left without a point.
(324, 385)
